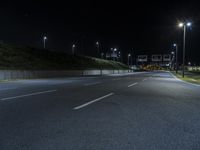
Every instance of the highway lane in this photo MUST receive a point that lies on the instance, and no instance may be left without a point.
(141, 111)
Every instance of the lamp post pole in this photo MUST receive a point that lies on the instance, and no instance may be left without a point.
(184, 25)
(44, 42)
(176, 45)
(73, 49)
(129, 55)
(98, 48)
(184, 35)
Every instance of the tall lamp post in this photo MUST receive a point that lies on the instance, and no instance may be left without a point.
(73, 49)
(129, 55)
(176, 46)
(44, 42)
(172, 60)
(184, 26)
(113, 52)
(119, 55)
(98, 50)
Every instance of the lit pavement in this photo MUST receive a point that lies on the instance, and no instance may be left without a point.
(143, 111)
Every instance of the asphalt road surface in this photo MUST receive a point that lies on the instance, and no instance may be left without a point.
(140, 111)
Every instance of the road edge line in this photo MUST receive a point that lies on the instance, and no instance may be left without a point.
(26, 95)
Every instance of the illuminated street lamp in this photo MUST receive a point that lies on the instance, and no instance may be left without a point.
(129, 55)
(113, 52)
(184, 25)
(172, 59)
(98, 48)
(176, 46)
(44, 42)
(73, 49)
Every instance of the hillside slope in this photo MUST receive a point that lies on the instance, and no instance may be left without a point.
(29, 58)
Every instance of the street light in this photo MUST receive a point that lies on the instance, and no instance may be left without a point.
(176, 46)
(181, 24)
(184, 25)
(44, 42)
(98, 50)
(129, 55)
(189, 24)
(73, 49)
(172, 59)
(113, 52)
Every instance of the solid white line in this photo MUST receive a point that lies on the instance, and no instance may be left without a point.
(133, 84)
(4, 89)
(26, 95)
(88, 84)
(93, 101)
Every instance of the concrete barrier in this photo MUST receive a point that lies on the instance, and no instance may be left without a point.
(26, 74)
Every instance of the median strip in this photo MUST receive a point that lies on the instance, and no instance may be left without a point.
(93, 101)
(133, 84)
(26, 95)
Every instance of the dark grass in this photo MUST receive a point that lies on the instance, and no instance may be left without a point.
(30, 58)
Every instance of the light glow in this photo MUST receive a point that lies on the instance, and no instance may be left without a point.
(189, 24)
(181, 25)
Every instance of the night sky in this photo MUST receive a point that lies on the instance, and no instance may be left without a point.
(136, 27)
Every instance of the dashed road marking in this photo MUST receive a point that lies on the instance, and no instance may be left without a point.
(93, 101)
(133, 84)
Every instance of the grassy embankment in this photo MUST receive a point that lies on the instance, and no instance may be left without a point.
(29, 58)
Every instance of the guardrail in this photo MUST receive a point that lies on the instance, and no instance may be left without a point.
(26, 74)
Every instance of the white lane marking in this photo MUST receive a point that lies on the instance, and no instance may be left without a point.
(94, 83)
(26, 95)
(93, 101)
(4, 89)
(133, 84)
(144, 79)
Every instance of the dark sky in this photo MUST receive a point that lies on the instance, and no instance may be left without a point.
(137, 26)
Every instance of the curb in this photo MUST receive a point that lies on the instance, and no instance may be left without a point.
(183, 80)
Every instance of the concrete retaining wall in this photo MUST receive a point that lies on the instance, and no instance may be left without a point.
(24, 74)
